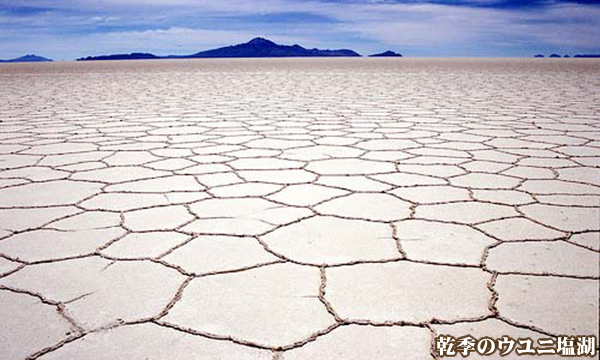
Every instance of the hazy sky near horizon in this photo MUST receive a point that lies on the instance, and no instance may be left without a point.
(67, 29)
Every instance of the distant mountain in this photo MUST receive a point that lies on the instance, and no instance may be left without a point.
(27, 58)
(389, 53)
(255, 48)
(260, 47)
(566, 56)
(132, 56)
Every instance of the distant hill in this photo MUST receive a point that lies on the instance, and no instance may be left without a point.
(255, 48)
(132, 56)
(389, 53)
(27, 58)
(567, 56)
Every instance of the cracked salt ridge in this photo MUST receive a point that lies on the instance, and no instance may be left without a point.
(531, 166)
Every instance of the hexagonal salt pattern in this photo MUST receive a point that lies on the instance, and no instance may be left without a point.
(326, 240)
(256, 306)
(407, 292)
(295, 209)
(97, 292)
(533, 301)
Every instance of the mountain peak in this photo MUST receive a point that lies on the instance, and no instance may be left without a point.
(260, 41)
(32, 57)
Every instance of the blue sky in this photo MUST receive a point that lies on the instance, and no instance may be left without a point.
(67, 29)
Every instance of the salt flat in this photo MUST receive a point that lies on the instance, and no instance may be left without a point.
(296, 208)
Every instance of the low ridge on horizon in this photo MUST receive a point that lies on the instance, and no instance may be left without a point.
(258, 47)
(27, 58)
(388, 53)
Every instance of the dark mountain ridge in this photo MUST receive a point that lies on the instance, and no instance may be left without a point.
(388, 53)
(567, 56)
(255, 48)
(260, 47)
(132, 56)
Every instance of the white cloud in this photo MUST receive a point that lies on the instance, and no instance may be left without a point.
(432, 25)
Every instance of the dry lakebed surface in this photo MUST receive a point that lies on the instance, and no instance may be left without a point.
(296, 208)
